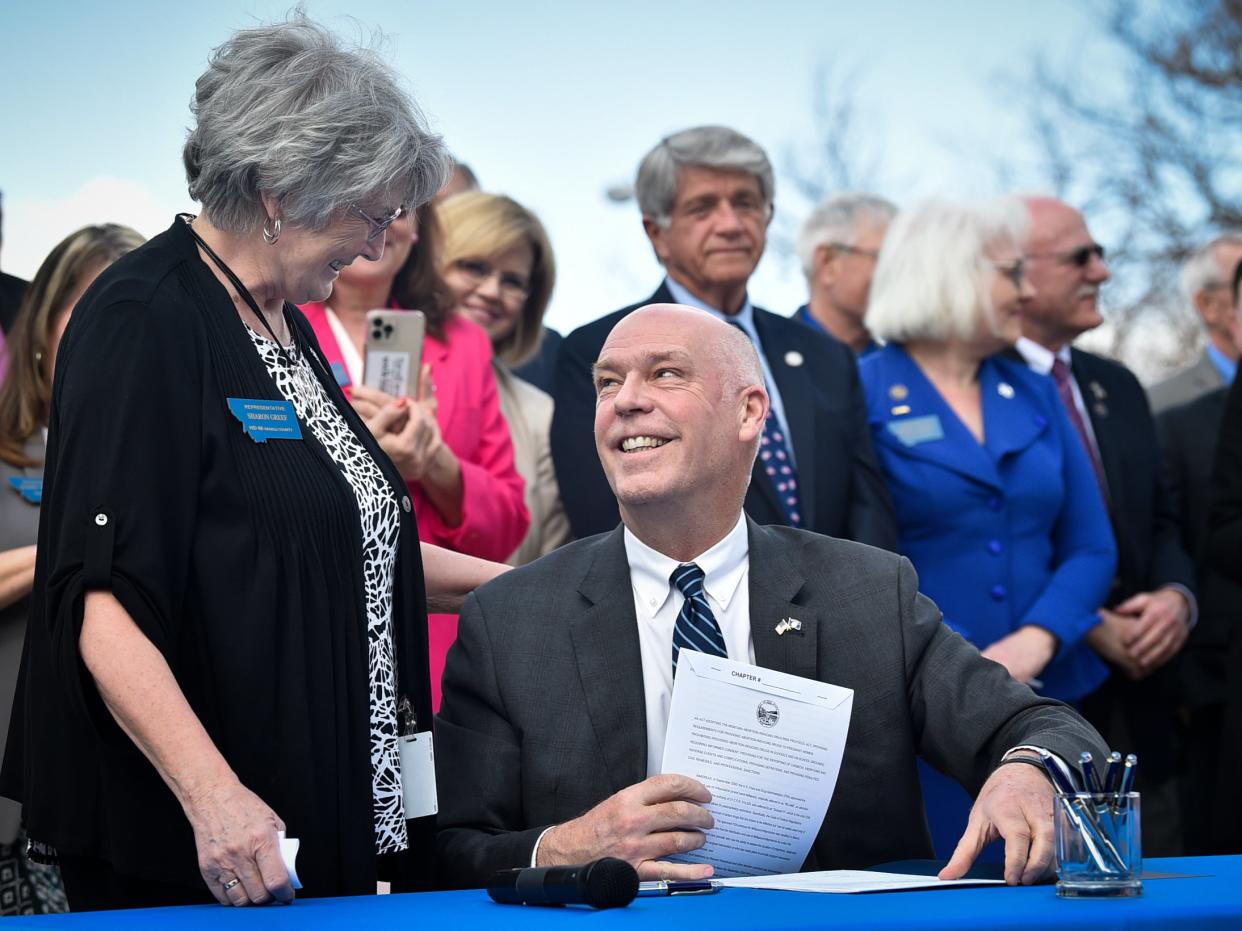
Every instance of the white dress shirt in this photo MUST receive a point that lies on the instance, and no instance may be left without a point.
(657, 602)
(745, 318)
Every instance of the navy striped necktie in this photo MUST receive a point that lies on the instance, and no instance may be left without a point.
(776, 458)
(696, 627)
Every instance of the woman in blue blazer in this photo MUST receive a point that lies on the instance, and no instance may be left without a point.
(997, 506)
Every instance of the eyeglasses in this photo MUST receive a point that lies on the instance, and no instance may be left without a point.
(513, 288)
(1015, 271)
(1079, 258)
(846, 247)
(378, 226)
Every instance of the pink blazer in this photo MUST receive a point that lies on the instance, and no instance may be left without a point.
(494, 515)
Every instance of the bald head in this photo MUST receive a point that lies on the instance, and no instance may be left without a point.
(725, 347)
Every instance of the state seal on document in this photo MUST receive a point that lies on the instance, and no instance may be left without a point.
(768, 713)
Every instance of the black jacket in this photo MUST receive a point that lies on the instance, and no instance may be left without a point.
(240, 561)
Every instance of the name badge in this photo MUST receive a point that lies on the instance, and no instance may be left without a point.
(418, 775)
(31, 489)
(341, 374)
(264, 420)
(917, 430)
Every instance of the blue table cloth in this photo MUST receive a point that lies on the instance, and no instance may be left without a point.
(1210, 898)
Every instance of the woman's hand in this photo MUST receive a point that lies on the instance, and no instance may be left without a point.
(1025, 652)
(407, 430)
(235, 833)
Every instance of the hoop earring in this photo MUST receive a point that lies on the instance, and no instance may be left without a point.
(271, 235)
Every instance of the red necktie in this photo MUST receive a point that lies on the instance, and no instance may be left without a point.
(1060, 372)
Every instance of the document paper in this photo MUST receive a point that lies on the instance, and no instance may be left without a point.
(851, 881)
(768, 746)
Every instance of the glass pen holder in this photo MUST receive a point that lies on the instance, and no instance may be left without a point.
(1099, 844)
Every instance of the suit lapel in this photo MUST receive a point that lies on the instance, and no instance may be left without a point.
(797, 394)
(905, 394)
(774, 584)
(605, 639)
(1093, 384)
(1010, 425)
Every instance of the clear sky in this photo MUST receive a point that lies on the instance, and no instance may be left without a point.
(550, 102)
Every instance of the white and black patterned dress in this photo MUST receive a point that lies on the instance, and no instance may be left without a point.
(377, 506)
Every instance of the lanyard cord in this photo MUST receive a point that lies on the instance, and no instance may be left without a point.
(243, 291)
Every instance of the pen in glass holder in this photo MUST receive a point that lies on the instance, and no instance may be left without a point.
(1113, 772)
(1082, 816)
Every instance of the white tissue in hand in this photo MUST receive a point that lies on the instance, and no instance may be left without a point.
(289, 853)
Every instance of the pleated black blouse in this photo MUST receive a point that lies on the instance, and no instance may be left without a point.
(241, 561)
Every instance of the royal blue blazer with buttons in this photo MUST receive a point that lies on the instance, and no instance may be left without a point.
(1005, 533)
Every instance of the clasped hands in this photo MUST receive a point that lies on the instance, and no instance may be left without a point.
(1143, 632)
(664, 815)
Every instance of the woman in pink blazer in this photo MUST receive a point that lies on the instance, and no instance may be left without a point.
(452, 442)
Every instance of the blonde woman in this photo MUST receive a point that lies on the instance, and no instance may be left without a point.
(45, 310)
(497, 261)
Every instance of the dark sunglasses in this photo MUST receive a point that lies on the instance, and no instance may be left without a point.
(1079, 258)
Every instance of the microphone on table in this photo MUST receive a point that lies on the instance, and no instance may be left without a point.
(606, 883)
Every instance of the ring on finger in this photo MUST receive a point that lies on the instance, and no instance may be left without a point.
(231, 883)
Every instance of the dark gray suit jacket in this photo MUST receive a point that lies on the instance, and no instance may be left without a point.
(543, 713)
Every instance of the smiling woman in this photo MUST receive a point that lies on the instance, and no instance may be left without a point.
(228, 622)
(997, 504)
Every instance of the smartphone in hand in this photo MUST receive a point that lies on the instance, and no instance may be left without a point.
(394, 351)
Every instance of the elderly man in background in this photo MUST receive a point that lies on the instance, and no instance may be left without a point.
(1205, 281)
(1149, 612)
(1189, 435)
(680, 414)
(706, 200)
(837, 246)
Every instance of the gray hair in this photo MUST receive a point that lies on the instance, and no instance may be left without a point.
(715, 147)
(287, 111)
(933, 277)
(1202, 270)
(837, 220)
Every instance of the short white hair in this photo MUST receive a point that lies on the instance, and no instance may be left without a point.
(836, 220)
(933, 277)
(1202, 270)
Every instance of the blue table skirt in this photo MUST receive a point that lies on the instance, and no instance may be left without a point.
(1211, 899)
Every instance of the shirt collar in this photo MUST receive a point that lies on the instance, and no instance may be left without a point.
(724, 566)
(1226, 366)
(1039, 358)
(745, 317)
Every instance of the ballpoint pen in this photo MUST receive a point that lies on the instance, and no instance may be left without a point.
(1113, 773)
(1126, 784)
(1090, 781)
(678, 887)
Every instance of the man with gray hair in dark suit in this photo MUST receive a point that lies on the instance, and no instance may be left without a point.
(1205, 281)
(557, 692)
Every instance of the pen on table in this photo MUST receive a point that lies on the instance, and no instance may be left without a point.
(1113, 773)
(677, 887)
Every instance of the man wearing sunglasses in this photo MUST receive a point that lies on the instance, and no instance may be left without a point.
(1151, 607)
